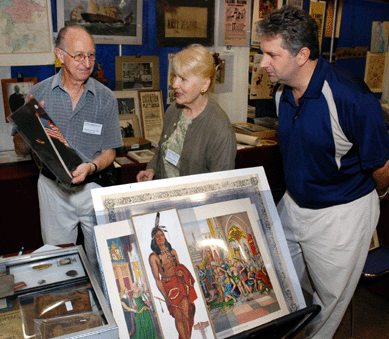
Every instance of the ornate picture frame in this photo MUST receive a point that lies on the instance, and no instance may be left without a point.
(136, 73)
(118, 23)
(181, 23)
(15, 93)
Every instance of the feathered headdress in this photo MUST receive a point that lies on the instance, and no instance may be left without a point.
(157, 228)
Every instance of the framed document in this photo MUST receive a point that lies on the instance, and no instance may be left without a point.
(151, 108)
(181, 23)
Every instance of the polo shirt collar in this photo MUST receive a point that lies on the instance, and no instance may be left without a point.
(316, 83)
(57, 82)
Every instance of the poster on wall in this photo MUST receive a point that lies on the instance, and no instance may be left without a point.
(317, 11)
(26, 33)
(235, 22)
(330, 18)
(261, 87)
(113, 22)
(379, 36)
(295, 3)
(260, 9)
(171, 94)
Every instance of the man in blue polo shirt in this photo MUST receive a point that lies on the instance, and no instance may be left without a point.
(86, 113)
(335, 150)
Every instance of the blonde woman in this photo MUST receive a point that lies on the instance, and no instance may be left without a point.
(197, 135)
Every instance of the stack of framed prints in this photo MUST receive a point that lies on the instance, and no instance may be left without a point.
(53, 294)
(202, 255)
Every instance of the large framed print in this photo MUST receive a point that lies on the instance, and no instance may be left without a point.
(135, 73)
(15, 92)
(152, 114)
(113, 22)
(181, 23)
(230, 224)
(26, 33)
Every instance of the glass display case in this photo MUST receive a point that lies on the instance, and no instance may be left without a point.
(53, 294)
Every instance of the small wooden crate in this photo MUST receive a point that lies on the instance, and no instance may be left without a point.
(254, 130)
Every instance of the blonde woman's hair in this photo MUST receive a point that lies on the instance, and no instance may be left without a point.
(194, 60)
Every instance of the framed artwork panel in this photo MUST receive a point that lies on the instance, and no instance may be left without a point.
(135, 73)
(15, 92)
(375, 71)
(152, 114)
(116, 22)
(181, 23)
(226, 219)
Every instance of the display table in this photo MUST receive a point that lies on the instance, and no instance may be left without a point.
(20, 207)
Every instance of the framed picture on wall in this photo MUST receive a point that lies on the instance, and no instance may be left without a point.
(113, 22)
(181, 22)
(15, 93)
(152, 115)
(136, 73)
(375, 71)
(129, 125)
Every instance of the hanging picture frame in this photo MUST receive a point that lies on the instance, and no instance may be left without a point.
(120, 22)
(137, 73)
(181, 23)
(15, 92)
(152, 114)
(376, 68)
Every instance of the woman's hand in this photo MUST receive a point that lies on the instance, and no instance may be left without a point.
(146, 175)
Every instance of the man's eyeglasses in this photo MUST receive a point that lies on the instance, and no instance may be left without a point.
(81, 57)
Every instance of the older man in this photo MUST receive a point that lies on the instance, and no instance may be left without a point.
(86, 112)
(335, 151)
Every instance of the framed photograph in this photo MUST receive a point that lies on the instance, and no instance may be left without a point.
(375, 243)
(141, 156)
(376, 70)
(129, 113)
(134, 73)
(15, 93)
(152, 114)
(222, 225)
(181, 23)
(129, 124)
(116, 22)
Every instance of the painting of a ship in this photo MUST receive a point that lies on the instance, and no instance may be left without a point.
(103, 14)
(108, 21)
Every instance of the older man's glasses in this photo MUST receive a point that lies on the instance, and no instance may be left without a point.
(81, 57)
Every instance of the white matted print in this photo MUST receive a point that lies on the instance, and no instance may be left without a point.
(125, 284)
(233, 265)
(173, 284)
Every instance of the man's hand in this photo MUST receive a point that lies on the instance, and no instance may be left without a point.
(81, 172)
(146, 175)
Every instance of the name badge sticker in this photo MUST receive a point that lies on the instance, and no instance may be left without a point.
(92, 128)
(172, 157)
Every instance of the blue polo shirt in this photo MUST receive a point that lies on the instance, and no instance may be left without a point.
(332, 140)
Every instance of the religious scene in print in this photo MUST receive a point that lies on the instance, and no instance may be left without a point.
(230, 270)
